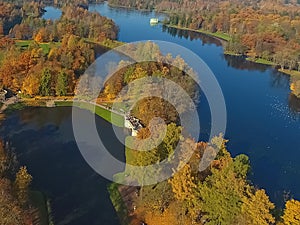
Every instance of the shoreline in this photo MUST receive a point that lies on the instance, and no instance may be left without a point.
(223, 37)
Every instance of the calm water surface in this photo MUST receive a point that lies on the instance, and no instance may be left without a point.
(263, 122)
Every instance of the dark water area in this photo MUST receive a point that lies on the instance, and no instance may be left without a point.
(43, 140)
(263, 122)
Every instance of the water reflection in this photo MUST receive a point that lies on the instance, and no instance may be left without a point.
(191, 35)
(294, 104)
(44, 142)
(241, 63)
(279, 80)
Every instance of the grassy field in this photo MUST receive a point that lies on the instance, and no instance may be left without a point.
(24, 44)
(113, 118)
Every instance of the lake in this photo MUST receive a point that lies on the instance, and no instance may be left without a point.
(263, 122)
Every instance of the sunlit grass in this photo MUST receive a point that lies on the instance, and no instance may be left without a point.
(24, 44)
(106, 114)
(262, 61)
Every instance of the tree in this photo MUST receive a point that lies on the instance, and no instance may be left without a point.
(183, 184)
(241, 165)
(8, 161)
(31, 84)
(45, 82)
(256, 209)
(61, 84)
(292, 213)
(10, 210)
(221, 196)
(22, 182)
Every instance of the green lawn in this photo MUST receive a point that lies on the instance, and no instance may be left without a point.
(113, 118)
(15, 107)
(24, 44)
(262, 61)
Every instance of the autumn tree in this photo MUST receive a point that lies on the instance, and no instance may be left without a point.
(256, 209)
(292, 212)
(22, 182)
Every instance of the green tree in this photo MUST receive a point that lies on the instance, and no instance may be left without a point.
(221, 196)
(241, 165)
(45, 85)
(61, 84)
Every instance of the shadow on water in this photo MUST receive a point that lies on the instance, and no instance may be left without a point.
(191, 35)
(44, 142)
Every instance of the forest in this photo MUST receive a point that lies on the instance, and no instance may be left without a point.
(40, 57)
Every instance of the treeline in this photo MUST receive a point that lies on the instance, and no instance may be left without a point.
(144, 5)
(75, 20)
(33, 72)
(15, 205)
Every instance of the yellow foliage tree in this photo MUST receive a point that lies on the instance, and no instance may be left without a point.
(183, 184)
(22, 182)
(292, 213)
(256, 209)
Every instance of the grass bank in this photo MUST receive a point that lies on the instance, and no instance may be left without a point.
(261, 61)
(118, 203)
(39, 201)
(218, 35)
(106, 43)
(292, 73)
(106, 114)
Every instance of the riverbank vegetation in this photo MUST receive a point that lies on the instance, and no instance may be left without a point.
(18, 204)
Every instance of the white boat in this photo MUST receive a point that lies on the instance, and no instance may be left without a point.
(154, 21)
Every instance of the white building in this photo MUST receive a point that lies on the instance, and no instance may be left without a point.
(133, 124)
